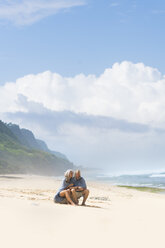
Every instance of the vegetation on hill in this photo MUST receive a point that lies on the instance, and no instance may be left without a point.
(20, 152)
(27, 138)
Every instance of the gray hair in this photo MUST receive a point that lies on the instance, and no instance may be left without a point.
(67, 174)
(77, 171)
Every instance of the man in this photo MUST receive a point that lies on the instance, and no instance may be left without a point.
(80, 188)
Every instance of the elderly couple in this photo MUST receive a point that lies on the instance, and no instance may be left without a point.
(73, 187)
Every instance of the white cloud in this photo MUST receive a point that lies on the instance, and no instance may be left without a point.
(114, 4)
(25, 12)
(112, 121)
(132, 92)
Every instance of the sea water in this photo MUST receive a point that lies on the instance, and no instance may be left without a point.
(143, 180)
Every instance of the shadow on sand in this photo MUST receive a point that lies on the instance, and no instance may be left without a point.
(90, 206)
(11, 177)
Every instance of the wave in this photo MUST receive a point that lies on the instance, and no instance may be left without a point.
(157, 175)
(154, 180)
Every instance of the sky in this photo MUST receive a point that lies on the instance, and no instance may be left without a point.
(88, 77)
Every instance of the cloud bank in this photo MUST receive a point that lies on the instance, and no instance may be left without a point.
(132, 92)
(26, 12)
(115, 121)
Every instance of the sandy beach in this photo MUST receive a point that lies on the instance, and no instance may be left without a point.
(114, 217)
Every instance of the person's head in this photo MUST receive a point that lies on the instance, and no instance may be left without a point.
(77, 174)
(68, 175)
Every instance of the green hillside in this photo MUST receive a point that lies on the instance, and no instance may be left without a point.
(27, 138)
(17, 155)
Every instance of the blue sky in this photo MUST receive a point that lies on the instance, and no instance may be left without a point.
(83, 39)
(87, 77)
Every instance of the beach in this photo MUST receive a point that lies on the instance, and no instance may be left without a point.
(114, 216)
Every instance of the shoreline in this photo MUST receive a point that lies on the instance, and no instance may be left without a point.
(148, 189)
(145, 189)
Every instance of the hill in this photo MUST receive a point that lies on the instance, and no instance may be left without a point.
(27, 138)
(21, 152)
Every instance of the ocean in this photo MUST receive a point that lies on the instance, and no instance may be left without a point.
(155, 180)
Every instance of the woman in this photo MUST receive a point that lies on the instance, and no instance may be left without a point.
(63, 195)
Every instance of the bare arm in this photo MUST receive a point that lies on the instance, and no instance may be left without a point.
(69, 186)
(73, 187)
(79, 189)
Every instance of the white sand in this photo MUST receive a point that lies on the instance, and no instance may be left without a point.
(115, 217)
